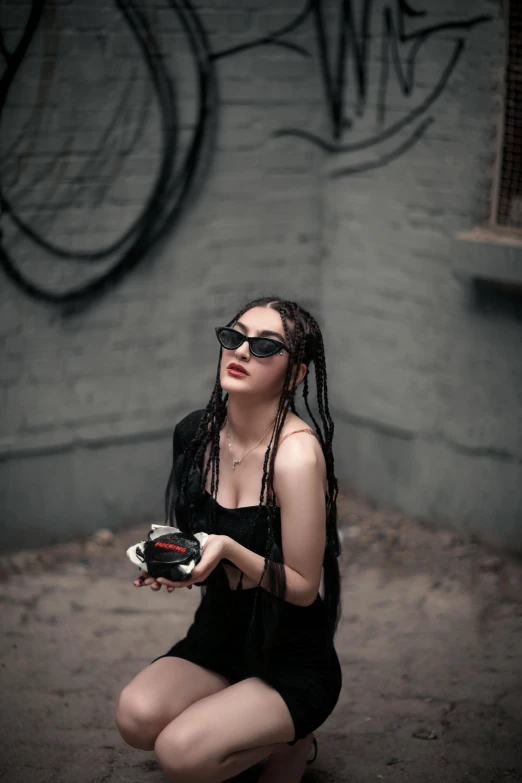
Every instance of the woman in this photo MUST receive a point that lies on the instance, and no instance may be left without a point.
(257, 672)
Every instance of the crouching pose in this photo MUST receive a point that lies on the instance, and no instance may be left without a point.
(257, 671)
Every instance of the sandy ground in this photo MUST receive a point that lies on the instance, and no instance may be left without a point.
(430, 644)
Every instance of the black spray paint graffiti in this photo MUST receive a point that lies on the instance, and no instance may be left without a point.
(351, 51)
(179, 171)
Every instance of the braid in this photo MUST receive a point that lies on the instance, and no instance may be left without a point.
(306, 346)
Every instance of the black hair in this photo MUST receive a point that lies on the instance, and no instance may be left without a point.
(306, 346)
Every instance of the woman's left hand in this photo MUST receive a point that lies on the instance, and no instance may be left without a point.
(213, 552)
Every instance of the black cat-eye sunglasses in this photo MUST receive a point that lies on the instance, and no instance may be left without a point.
(262, 347)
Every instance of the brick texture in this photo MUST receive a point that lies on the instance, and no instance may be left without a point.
(428, 392)
(410, 356)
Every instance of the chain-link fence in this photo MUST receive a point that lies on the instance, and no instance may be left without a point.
(509, 204)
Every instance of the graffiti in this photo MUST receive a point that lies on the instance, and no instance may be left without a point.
(351, 52)
(347, 53)
(176, 175)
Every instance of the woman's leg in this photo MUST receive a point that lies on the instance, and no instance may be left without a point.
(288, 765)
(158, 694)
(223, 734)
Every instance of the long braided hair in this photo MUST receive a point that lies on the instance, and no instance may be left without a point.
(305, 342)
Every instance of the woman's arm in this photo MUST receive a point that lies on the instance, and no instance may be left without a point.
(298, 590)
(299, 489)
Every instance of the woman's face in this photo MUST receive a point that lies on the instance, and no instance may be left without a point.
(265, 377)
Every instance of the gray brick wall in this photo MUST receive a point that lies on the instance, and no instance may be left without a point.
(429, 392)
(89, 401)
(425, 387)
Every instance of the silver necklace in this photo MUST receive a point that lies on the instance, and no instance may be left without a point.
(237, 461)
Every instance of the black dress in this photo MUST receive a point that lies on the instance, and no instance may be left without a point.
(304, 667)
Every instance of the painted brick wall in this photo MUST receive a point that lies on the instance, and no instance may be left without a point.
(83, 397)
(425, 385)
(256, 217)
(429, 394)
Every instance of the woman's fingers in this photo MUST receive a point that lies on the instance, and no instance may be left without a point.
(145, 579)
(169, 584)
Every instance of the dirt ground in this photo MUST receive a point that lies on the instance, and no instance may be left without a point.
(430, 643)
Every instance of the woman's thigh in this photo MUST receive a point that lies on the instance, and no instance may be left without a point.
(248, 714)
(158, 694)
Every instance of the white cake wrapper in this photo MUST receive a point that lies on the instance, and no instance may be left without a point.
(155, 532)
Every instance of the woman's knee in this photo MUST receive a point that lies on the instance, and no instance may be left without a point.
(180, 753)
(137, 719)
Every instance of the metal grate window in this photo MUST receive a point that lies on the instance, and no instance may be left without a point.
(509, 200)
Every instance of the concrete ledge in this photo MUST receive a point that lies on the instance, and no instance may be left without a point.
(59, 496)
(433, 480)
(92, 434)
(488, 255)
(63, 495)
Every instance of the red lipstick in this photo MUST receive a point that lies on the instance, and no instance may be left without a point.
(237, 370)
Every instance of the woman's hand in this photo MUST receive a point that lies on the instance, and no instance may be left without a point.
(213, 552)
(146, 579)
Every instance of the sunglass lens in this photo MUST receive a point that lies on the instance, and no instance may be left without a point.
(230, 339)
(264, 348)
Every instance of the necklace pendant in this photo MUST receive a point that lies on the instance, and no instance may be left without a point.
(234, 463)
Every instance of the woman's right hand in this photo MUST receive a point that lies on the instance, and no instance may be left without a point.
(146, 579)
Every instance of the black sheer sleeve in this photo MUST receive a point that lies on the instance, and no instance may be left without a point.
(184, 431)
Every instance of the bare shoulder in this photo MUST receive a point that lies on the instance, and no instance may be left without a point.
(300, 450)
(294, 426)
